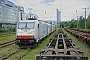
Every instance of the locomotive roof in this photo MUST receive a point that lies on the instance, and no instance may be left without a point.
(27, 20)
(32, 21)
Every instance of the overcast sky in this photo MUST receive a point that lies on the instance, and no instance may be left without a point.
(67, 7)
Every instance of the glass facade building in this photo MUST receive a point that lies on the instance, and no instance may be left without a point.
(58, 16)
(8, 12)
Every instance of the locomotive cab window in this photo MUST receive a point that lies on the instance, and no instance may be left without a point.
(26, 25)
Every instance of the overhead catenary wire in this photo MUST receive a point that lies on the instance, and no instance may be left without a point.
(27, 7)
(34, 6)
(69, 7)
(50, 7)
(38, 9)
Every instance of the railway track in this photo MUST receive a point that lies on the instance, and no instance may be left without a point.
(23, 55)
(61, 48)
(6, 57)
(4, 35)
(7, 43)
(17, 55)
(84, 37)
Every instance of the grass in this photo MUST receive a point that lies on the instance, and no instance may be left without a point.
(36, 50)
(7, 33)
(18, 54)
(80, 45)
(7, 38)
(7, 50)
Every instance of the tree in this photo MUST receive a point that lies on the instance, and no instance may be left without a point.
(81, 22)
(88, 22)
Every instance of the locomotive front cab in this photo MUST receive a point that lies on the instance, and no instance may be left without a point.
(25, 34)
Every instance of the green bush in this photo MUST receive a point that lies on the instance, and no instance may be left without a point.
(13, 30)
(7, 31)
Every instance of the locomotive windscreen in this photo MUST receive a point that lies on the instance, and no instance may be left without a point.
(26, 25)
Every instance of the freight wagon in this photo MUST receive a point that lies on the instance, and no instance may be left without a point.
(61, 48)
